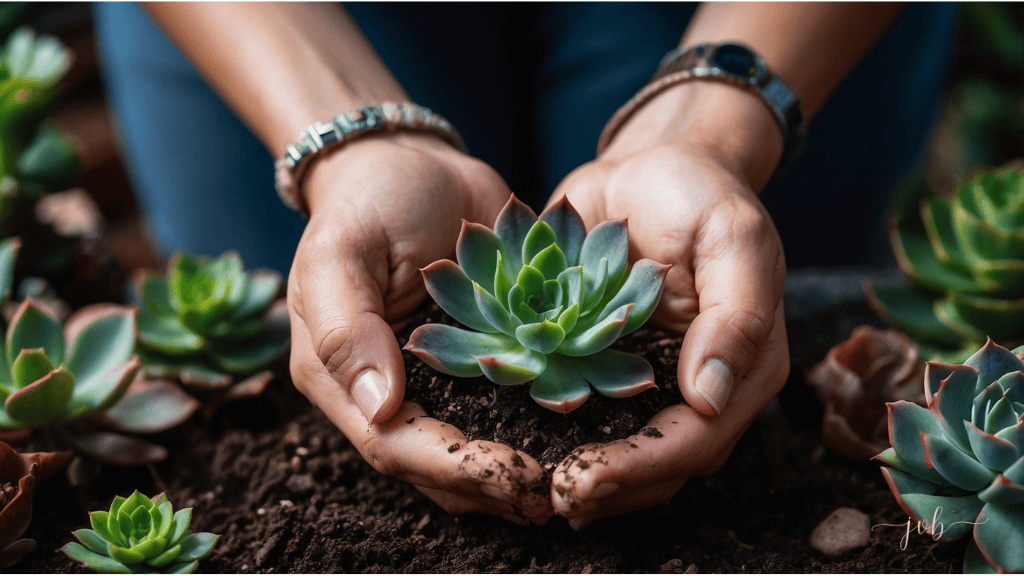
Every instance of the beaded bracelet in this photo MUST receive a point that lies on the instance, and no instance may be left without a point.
(320, 137)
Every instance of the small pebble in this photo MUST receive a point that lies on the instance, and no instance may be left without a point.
(296, 463)
(291, 438)
(287, 504)
(845, 530)
(261, 512)
(423, 522)
(673, 566)
(607, 429)
(302, 451)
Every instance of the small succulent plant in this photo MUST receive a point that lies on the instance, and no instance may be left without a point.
(19, 474)
(208, 321)
(966, 263)
(543, 301)
(33, 158)
(856, 379)
(964, 453)
(65, 379)
(141, 535)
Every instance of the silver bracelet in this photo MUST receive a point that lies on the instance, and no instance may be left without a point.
(324, 136)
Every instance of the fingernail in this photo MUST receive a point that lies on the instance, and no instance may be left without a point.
(714, 383)
(604, 490)
(576, 524)
(370, 391)
(516, 519)
(495, 492)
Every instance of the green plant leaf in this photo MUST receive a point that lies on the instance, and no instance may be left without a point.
(550, 261)
(512, 225)
(502, 283)
(567, 320)
(514, 366)
(907, 421)
(491, 309)
(476, 251)
(183, 568)
(263, 287)
(99, 394)
(975, 562)
(643, 288)
(913, 311)
(568, 227)
(92, 539)
(251, 356)
(537, 239)
(1000, 319)
(543, 337)
(156, 296)
(1000, 538)
(610, 240)
(449, 286)
(559, 387)
(594, 288)
(182, 520)
(94, 561)
(31, 365)
(960, 469)
(32, 328)
(42, 59)
(615, 374)
(51, 160)
(197, 546)
(993, 452)
(453, 350)
(918, 499)
(165, 558)
(9, 248)
(167, 334)
(154, 407)
(599, 336)
(992, 362)
(951, 404)
(1002, 491)
(44, 400)
(102, 346)
(937, 215)
(916, 258)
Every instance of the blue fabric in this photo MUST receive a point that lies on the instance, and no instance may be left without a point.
(529, 86)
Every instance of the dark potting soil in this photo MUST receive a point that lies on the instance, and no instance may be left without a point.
(288, 493)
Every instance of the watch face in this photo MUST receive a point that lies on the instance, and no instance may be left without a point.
(738, 60)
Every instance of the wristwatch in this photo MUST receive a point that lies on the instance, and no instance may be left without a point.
(731, 63)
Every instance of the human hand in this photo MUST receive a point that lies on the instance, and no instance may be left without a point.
(381, 209)
(690, 200)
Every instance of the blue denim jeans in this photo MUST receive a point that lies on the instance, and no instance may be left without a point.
(529, 86)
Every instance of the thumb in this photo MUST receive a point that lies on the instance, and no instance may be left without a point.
(341, 304)
(737, 298)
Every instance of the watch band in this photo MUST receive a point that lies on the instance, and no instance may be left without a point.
(733, 64)
(323, 136)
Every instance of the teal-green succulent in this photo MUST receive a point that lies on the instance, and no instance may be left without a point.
(34, 158)
(141, 535)
(542, 300)
(960, 460)
(207, 320)
(966, 265)
(66, 378)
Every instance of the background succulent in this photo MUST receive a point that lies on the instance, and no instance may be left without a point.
(856, 379)
(208, 321)
(543, 300)
(965, 454)
(69, 378)
(141, 535)
(19, 474)
(965, 258)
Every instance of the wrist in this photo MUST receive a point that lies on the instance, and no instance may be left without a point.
(731, 125)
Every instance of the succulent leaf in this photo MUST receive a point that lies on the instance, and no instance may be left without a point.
(517, 365)
(512, 225)
(477, 251)
(453, 291)
(543, 337)
(32, 328)
(453, 350)
(1002, 491)
(568, 227)
(41, 401)
(94, 561)
(31, 365)
(102, 346)
(154, 407)
(550, 261)
(495, 315)
(614, 373)
(993, 452)
(599, 336)
(642, 288)
(958, 468)
(560, 387)
(9, 248)
(1000, 538)
(540, 237)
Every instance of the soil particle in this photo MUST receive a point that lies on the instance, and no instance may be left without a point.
(454, 447)
(652, 432)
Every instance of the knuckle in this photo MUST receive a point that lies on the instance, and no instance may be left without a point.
(377, 457)
(753, 327)
(335, 343)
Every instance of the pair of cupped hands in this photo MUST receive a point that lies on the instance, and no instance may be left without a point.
(385, 206)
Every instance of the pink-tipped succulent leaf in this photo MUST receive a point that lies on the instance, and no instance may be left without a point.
(543, 301)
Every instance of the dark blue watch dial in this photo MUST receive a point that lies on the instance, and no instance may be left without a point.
(735, 59)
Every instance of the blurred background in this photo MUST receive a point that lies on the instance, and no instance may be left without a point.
(982, 122)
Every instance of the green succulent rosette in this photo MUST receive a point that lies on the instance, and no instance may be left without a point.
(964, 453)
(542, 301)
(966, 263)
(141, 535)
(207, 320)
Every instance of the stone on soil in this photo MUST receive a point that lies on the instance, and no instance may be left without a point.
(845, 530)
